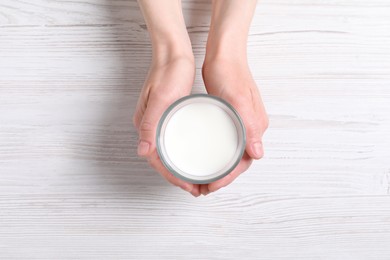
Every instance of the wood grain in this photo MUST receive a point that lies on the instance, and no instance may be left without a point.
(72, 187)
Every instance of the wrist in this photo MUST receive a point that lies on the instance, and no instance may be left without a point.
(166, 47)
(226, 46)
(229, 29)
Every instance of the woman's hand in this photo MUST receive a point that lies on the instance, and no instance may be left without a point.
(170, 77)
(232, 81)
(226, 74)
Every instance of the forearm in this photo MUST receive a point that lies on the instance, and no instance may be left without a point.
(166, 26)
(229, 28)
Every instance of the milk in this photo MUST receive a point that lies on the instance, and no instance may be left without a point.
(201, 139)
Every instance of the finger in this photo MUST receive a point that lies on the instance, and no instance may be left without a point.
(156, 163)
(255, 119)
(148, 126)
(139, 110)
(255, 127)
(204, 189)
(137, 117)
(196, 190)
(255, 124)
(243, 165)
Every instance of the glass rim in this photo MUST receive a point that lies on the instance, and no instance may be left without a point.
(241, 130)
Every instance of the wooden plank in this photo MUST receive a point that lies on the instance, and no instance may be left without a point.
(150, 223)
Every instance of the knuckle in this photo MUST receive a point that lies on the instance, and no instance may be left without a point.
(135, 120)
(167, 98)
(171, 179)
(146, 126)
(254, 129)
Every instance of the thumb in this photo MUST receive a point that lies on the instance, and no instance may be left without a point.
(148, 127)
(254, 131)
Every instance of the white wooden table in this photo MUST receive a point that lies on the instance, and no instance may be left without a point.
(72, 187)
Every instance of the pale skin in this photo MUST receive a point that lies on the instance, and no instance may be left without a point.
(225, 74)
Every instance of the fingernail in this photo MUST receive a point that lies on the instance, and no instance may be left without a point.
(143, 148)
(257, 148)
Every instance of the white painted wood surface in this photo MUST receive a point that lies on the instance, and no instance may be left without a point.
(71, 186)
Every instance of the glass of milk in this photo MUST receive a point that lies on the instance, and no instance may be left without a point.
(200, 138)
